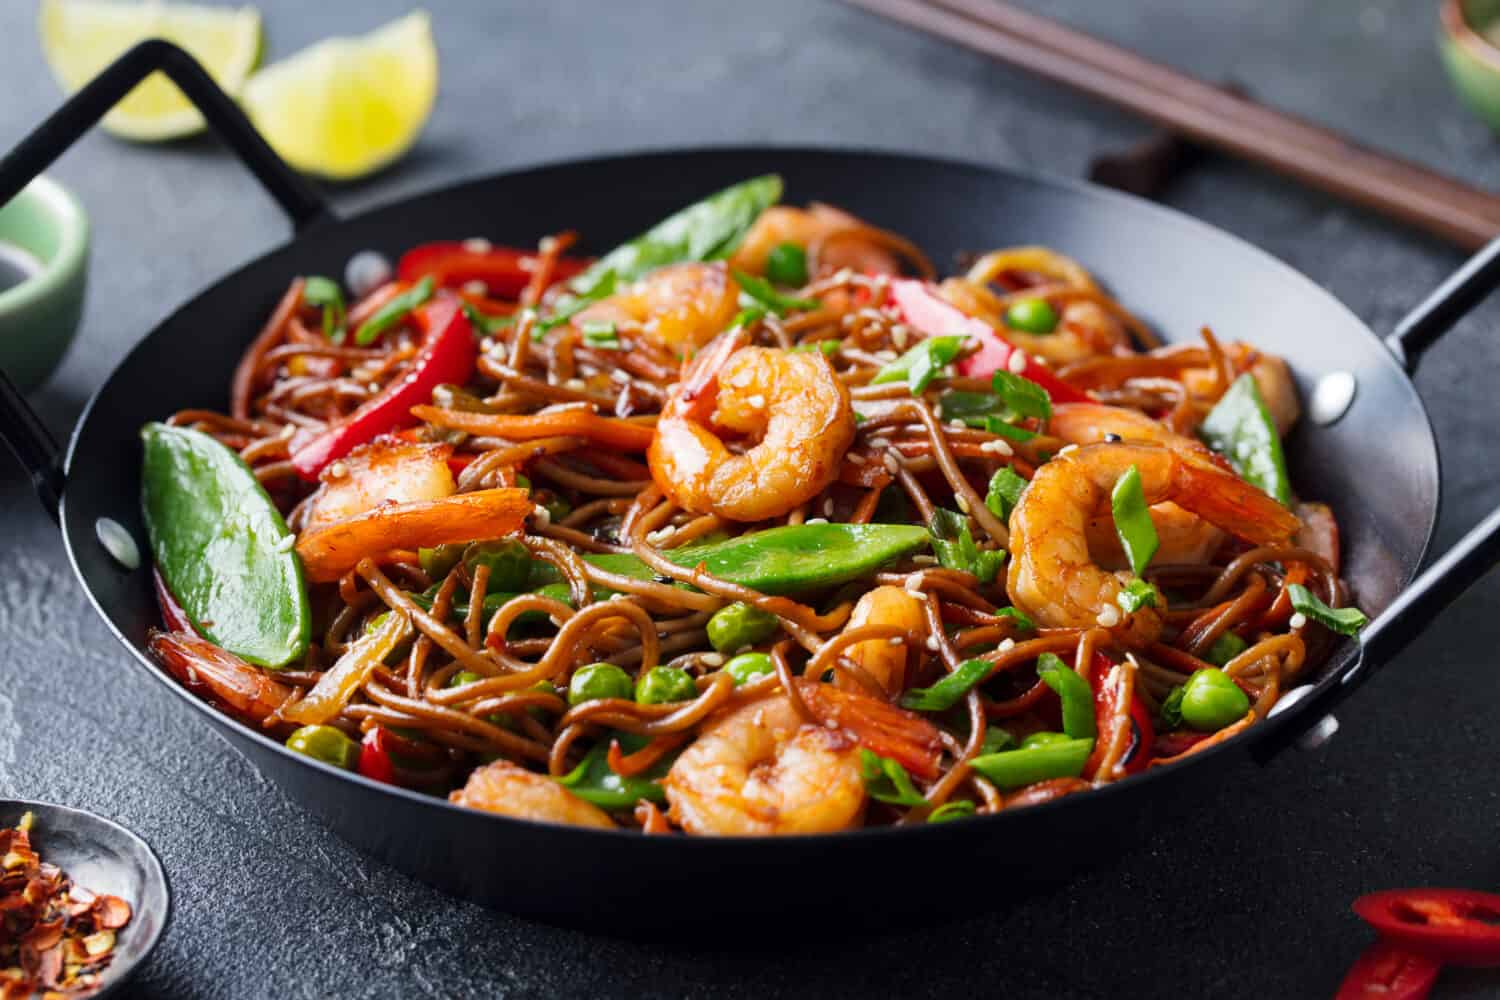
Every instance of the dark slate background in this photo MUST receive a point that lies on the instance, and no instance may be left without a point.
(1246, 897)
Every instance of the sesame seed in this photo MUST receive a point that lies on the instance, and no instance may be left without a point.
(542, 514)
(713, 659)
(1298, 620)
(661, 534)
(886, 355)
(1016, 363)
(757, 401)
(958, 425)
(830, 724)
(619, 375)
(576, 384)
(285, 544)
(816, 520)
(892, 466)
(999, 446)
(1067, 449)
(478, 244)
(475, 287)
(896, 640)
(924, 560)
(899, 334)
(916, 592)
(828, 507)
(1006, 645)
(487, 344)
(547, 244)
(338, 470)
(843, 276)
(931, 642)
(742, 378)
(854, 458)
(880, 442)
(1109, 616)
(846, 321)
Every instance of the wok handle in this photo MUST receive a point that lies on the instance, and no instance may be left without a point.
(20, 427)
(1446, 305)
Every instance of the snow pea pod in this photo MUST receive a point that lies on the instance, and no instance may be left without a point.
(1010, 769)
(787, 560)
(1240, 428)
(706, 230)
(222, 547)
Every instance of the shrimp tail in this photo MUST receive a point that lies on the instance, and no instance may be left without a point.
(1231, 503)
(881, 728)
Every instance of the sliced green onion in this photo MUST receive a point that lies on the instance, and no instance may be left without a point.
(600, 333)
(1012, 769)
(762, 292)
(1344, 621)
(950, 690)
(1004, 492)
(324, 293)
(1022, 395)
(828, 347)
(887, 781)
(571, 305)
(953, 544)
(1023, 621)
(1138, 594)
(1171, 708)
(393, 312)
(1133, 520)
(922, 363)
(949, 811)
(1076, 695)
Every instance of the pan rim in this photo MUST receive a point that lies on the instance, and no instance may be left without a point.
(1075, 188)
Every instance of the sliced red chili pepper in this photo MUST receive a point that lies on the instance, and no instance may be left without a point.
(375, 759)
(448, 354)
(505, 271)
(921, 307)
(1459, 926)
(1143, 733)
(1389, 972)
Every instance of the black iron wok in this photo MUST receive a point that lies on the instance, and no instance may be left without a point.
(1378, 467)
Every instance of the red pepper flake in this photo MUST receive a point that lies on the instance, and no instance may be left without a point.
(55, 937)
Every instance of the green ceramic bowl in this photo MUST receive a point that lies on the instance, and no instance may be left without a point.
(1469, 38)
(39, 316)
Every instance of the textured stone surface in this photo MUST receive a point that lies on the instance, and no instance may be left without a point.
(1247, 898)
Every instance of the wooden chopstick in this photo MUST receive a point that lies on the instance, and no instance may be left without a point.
(1213, 117)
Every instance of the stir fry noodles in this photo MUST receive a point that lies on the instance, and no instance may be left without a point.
(752, 526)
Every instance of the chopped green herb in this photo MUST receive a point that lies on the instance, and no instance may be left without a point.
(486, 326)
(1022, 620)
(996, 740)
(1171, 708)
(571, 305)
(324, 293)
(762, 292)
(1344, 621)
(950, 690)
(1005, 491)
(1022, 395)
(984, 410)
(922, 363)
(746, 317)
(828, 347)
(601, 333)
(949, 811)
(953, 542)
(1133, 520)
(593, 780)
(393, 312)
(1138, 594)
(887, 781)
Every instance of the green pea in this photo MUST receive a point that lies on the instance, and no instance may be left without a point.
(1225, 648)
(1044, 739)
(522, 482)
(787, 265)
(663, 684)
(438, 560)
(1032, 315)
(748, 666)
(1211, 701)
(509, 562)
(325, 743)
(599, 680)
(463, 677)
(738, 624)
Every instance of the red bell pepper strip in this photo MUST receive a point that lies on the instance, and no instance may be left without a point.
(1389, 972)
(447, 355)
(505, 271)
(375, 759)
(1458, 926)
(1144, 736)
(922, 308)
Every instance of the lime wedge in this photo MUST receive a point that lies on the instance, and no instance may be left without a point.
(348, 106)
(82, 37)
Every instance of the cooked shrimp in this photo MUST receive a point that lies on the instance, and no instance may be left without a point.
(1084, 329)
(386, 469)
(815, 226)
(795, 406)
(246, 692)
(682, 305)
(504, 788)
(1053, 577)
(1185, 537)
(882, 662)
(1272, 377)
(760, 770)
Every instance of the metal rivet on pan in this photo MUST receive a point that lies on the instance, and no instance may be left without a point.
(365, 272)
(1289, 699)
(117, 542)
(1319, 734)
(1331, 397)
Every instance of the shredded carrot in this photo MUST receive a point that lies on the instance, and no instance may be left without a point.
(627, 765)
